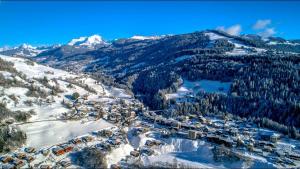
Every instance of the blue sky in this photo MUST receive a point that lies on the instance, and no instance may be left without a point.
(41, 23)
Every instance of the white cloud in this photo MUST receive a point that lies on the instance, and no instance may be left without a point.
(261, 24)
(267, 32)
(232, 30)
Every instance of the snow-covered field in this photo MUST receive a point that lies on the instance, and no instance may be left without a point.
(45, 128)
(192, 154)
(47, 133)
(239, 49)
(192, 88)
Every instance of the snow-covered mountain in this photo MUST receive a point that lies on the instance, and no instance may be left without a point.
(89, 42)
(138, 37)
(25, 50)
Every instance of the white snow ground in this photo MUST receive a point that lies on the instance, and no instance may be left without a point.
(42, 131)
(191, 88)
(239, 49)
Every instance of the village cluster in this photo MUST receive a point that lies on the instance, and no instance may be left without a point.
(120, 112)
(232, 138)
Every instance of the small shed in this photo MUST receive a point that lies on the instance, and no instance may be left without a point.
(30, 150)
(58, 151)
(269, 136)
(67, 147)
(6, 159)
(29, 159)
(135, 153)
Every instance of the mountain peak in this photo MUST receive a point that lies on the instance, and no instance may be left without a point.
(90, 41)
(26, 46)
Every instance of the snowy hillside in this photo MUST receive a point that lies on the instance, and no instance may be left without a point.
(239, 47)
(138, 37)
(25, 50)
(44, 128)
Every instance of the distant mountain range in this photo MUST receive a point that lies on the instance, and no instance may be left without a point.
(260, 70)
(95, 41)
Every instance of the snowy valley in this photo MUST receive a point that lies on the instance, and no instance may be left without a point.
(198, 100)
(61, 115)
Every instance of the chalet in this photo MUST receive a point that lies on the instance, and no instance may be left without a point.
(29, 159)
(9, 121)
(240, 142)
(208, 122)
(67, 147)
(115, 166)
(197, 125)
(183, 118)
(85, 96)
(280, 153)
(114, 117)
(201, 135)
(192, 134)
(104, 146)
(18, 163)
(267, 148)
(65, 163)
(76, 141)
(114, 141)
(105, 133)
(269, 136)
(147, 151)
(8, 166)
(202, 119)
(6, 159)
(152, 143)
(49, 72)
(130, 114)
(20, 155)
(135, 153)
(246, 133)
(289, 161)
(92, 103)
(294, 156)
(58, 151)
(176, 124)
(95, 114)
(263, 143)
(180, 134)
(45, 152)
(218, 124)
(258, 151)
(87, 139)
(30, 150)
(205, 129)
(45, 166)
(220, 140)
(250, 147)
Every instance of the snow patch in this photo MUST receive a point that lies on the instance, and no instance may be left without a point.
(192, 88)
